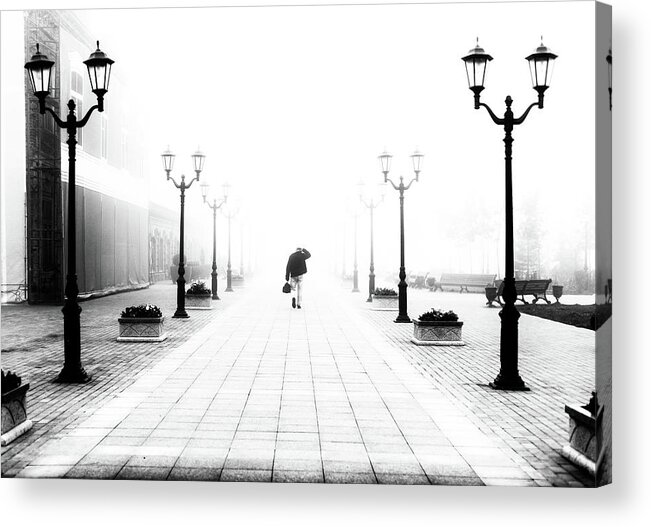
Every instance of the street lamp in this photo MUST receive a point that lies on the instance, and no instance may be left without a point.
(198, 160)
(609, 60)
(355, 271)
(39, 68)
(371, 204)
(540, 65)
(229, 273)
(215, 207)
(385, 162)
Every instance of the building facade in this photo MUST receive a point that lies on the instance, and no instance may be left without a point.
(112, 198)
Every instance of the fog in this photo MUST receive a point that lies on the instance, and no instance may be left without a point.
(292, 106)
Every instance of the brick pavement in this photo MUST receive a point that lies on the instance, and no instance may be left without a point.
(32, 346)
(331, 393)
(556, 361)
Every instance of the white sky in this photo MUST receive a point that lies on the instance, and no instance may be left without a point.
(292, 105)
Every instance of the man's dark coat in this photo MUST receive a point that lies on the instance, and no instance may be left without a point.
(296, 263)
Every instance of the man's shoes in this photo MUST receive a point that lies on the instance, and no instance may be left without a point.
(294, 302)
(299, 307)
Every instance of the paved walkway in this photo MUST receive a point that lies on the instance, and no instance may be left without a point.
(256, 391)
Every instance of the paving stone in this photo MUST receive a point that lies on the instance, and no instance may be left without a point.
(93, 471)
(194, 474)
(350, 477)
(298, 476)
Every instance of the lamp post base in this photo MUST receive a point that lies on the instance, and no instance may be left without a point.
(355, 290)
(402, 319)
(180, 314)
(215, 296)
(73, 376)
(511, 383)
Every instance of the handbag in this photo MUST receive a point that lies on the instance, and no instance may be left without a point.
(287, 288)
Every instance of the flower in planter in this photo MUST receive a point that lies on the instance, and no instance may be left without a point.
(384, 291)
(436, 315)
(10, 381)
(142, 311)
(198, 288)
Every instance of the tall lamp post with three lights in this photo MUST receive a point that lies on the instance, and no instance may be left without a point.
(541, 65)
(214, 207)
(39, 68)
(198, 160)
(385, 162)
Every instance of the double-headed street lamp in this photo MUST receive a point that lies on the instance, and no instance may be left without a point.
(198, 160)
(371, 204)
(40, 75)
(215, 207)
(541, 65)
(385, 161)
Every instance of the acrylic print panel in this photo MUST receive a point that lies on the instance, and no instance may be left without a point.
(441, 327)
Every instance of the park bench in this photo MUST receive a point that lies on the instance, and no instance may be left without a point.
(417, 281)
(464, 281)
(537, 288)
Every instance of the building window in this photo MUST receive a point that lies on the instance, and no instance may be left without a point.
(47, 122)
(104, 137)
(77, 83)
(77, 95)
(79, 112)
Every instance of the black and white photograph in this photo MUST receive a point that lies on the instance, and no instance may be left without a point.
(316, 244)
(307, 259)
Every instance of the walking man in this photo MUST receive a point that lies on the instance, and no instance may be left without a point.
(296, 268)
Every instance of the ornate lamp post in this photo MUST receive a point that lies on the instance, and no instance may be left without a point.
(385, 161)
(215, 207)
(541, 65)
(242, 249)
(355, 271)
(229, 273)
(198, 160)
(40, 75)
(371, 204)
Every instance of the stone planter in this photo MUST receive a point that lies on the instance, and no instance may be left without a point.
(491, 295)
(437, 333)
(141, 329)
(203, 301)
(583, 449)
(14, 414)
(385, 303)
(557, 291)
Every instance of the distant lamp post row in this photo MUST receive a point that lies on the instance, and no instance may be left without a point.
(198, 160)
(540, 65)
(215, 207)
(371, 204)
(39, 68)
(385, 162)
